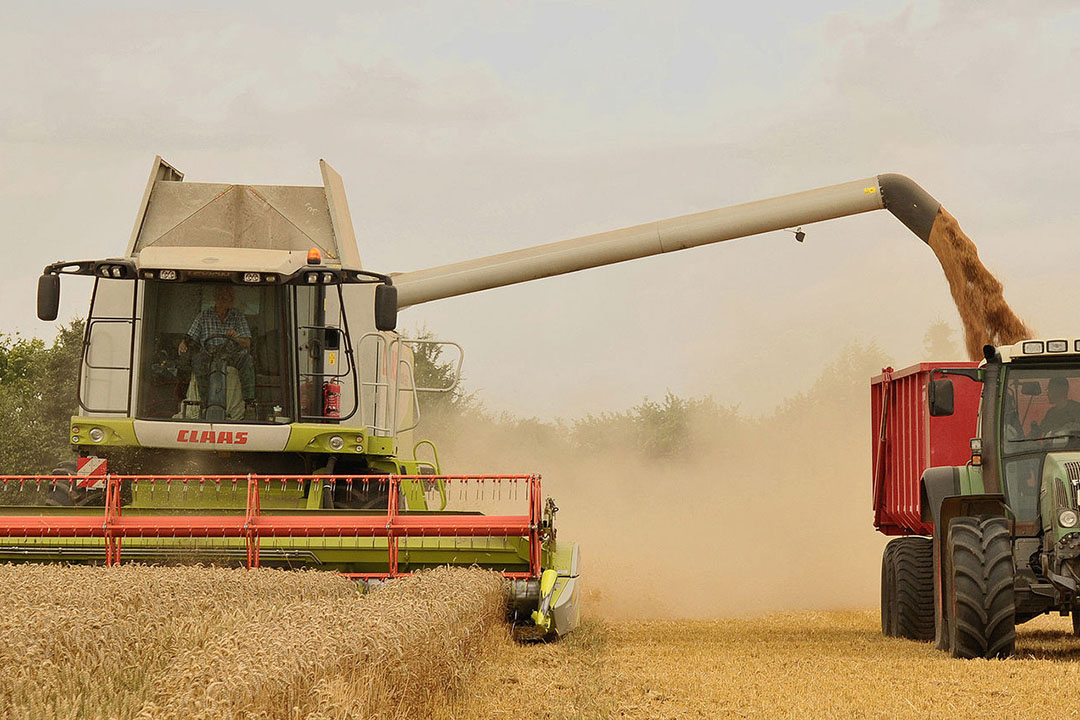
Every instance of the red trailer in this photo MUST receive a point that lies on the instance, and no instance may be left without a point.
(907, 440)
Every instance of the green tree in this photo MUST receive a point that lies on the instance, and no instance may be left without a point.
(37, 399)
(939, 344)
(662, 429)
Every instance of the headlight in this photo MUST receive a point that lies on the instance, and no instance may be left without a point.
(336, 443)
(252, 277)
(1068, 518)
(167, 275)
(97, 435)
(1057, 346)
(1033, 348)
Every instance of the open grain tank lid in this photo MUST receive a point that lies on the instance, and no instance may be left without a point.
(176, 214)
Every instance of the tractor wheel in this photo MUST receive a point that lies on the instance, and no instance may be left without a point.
(914, 588)
(979, 588)
(1076, 619)
(888, 590)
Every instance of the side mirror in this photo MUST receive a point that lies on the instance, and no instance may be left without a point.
(48, 297)
(385, 307)
(940, 397)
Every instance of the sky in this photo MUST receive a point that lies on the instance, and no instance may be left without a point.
(468, 128)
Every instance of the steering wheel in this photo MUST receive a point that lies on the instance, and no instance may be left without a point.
(1069, 427)
(1059, 437)
(230, 343)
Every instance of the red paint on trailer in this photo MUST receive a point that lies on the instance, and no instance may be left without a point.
(906, 440)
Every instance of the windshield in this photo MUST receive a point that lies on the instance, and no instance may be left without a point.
(1040, 414)
(1040, 410)
(215, 351)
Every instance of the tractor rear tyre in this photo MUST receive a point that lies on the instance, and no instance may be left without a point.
(914, 583)
(907, 589)
(979, 597)
(888, 590)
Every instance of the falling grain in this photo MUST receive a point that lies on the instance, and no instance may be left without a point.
(987, 318)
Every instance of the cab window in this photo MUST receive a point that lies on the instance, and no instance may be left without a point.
(215, 351)
(1040, 410)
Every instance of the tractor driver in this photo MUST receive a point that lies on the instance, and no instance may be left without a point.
(221, 332)
(1063, 412)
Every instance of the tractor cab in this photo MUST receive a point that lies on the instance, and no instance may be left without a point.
(1040, 416)
(1028, 420)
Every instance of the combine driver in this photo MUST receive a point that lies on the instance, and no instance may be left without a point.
(221, 334)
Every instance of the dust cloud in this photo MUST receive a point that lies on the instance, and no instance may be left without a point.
(749, 515)
(987, 318)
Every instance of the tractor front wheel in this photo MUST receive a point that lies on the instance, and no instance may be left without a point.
(979, 598)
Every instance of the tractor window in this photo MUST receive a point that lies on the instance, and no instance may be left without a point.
(1022, 487)
(215, 351)
(1041, 409)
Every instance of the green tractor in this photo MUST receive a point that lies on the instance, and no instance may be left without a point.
(990, 471)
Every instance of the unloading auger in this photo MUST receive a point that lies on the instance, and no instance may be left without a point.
(244, 397)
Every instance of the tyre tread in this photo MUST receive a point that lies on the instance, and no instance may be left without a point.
(984, 624)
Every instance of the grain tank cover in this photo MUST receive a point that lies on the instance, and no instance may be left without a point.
(177, 214)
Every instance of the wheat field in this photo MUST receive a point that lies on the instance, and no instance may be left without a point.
(787, 665)
(188, 642)
(140, 642)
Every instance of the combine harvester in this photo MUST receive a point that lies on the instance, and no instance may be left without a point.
(244, 397)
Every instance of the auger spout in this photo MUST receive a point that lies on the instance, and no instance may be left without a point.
(912, 205)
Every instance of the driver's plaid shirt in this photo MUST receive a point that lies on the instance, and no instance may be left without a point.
(207, 324)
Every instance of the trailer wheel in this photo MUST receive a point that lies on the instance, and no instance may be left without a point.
(914, 588)
(979, 594)
(888, 590)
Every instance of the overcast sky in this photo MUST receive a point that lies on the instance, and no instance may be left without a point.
(463, 129)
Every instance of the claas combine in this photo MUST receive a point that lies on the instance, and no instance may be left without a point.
(244, 397)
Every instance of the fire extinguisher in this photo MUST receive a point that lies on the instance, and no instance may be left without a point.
(332, 399)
